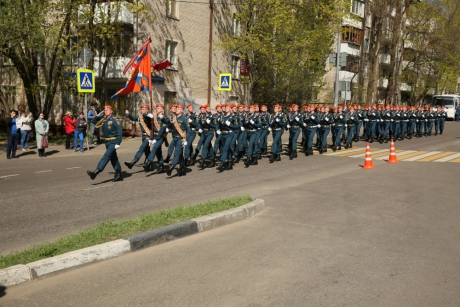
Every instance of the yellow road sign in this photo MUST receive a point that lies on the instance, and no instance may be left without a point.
(86, 81)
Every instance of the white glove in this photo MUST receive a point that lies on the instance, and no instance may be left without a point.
(151, 142)
(251, 121)
(341, 116)
(269, 129)
(366, 119)
(218, 132)
(167, 130)
(184, 144)
(312, 117)
(242, 128)
(373, 113)
(398, 114)
(288, 126)
(326, 118)
(304, 124)
(297, 119)
(345, 125)
(392, 120)
(189, 120)
(228, 123)
(161, 116)
(352, 117)
(150, 115)
(117, 146)
(101, 113)
(319, 126)
(200, 131)
(127, 112)
(208, 120)
(277, 119)
(416, 120)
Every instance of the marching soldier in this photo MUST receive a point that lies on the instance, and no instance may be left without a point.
(144, 120)
(172, 108)
(251, 125)
(179, 131)
(201, 134)
(112, 133)
(276, 124)
(386, 117)
(194, 124)
(160, 129)
(442, 119)
(209, 125)
(227, 125)
(412, 115)
(295, 121)
(339, 121)
(352, 120)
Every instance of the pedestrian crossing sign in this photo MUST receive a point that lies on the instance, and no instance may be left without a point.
(85, 81)
(225, 82)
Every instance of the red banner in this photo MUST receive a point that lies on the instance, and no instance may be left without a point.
(244, 71)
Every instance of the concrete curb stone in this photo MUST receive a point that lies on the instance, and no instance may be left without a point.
(18, 274)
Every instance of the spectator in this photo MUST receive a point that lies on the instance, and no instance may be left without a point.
(457, 114)
(69, 127)
(41, 129)
(12, 133)
(92, 113)
(24, 123)
(80, 131)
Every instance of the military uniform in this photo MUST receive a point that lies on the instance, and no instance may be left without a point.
(194, 126)
(277, 123)
(251, 126)
(145, 125)
(227, 125)
(179, 131)
(160, 126)
(112, 133)
(295, 122)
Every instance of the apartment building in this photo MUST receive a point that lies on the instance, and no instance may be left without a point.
(181, 31)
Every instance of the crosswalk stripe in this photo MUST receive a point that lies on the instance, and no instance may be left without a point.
(373, 152)
(435, 157)
(400, 154)
(448, 158)
(384, 154)
(416, 153)
(455, 160)
(432, 153)
(349, 153)
(341, 152)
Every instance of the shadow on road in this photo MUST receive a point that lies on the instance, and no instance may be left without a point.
(52, 152)
(2, 291)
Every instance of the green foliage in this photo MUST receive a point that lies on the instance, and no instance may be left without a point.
(286, 44)
(113, 230)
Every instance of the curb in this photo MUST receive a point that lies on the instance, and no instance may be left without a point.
(21, 273)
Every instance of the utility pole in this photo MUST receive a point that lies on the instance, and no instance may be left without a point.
(337, 71)
(211, 8)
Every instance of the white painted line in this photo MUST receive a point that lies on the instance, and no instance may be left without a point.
(398, 154)
(103, 186)
(50, 170)
(9, 176)
(372, 153)
(74, 167)
(338, 152)
(448, 158)
(423, 156)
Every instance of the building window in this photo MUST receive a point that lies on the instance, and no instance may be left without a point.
(41, 58)
(366, 45)
(171, 8)
(356, 7)
(170, 53)
(235, 67)
(170, 98)
(383, 73)
(9, 94)
(4, 61)
(236, 26)
(352, 35)
(71, 54)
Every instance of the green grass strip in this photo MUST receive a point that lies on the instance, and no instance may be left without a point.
(113, 230)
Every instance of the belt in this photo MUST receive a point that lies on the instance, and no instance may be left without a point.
(251, 130)
(351, 125)
(325, 125)
(387, 120)
(372, 120)
(111, 138)
(205, 129)
(193, 129)
(339, 125)
(311, 127)
(276, 129)
(225, 132)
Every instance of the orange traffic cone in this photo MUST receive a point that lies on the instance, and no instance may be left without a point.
(368, 159)
(392, 158)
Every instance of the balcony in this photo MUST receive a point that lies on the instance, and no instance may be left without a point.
(350, 48)
(119, 12)
(384, 59)
(405, 87)
(347, 76)
(114, 67)
(383, 83)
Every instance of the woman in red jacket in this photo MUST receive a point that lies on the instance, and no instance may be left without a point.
(69, 127)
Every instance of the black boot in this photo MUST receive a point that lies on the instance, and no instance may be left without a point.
(147, 166)
(193, 160)
(291, 156)
(278, 157)
(213, 163)
(118, 176)
(334, 148)
(310, 150)
(93, 175)
(170, 169)
(248, 162)
(202, 163)
(230, 166)
(130, 164)
(320, 149)
(167, 159)
(40, 154)
(440, 132)
(273, 158)
(346, 146)
(161, 169)
(221, 167)
(307, 151)
(43, 153)
(254, 161)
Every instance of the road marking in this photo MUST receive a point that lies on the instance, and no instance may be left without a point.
(423, 156)
(435, 157)
(50, 170)
(455, 160)
(417, 153)
(350, 154)
(375, 152)
(448, 158)
(104, 186)
(341, 152)
(384, 154)
(74, 167)
(402, 153)
(9, 176)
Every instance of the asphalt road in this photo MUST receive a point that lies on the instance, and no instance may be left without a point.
(332, 234)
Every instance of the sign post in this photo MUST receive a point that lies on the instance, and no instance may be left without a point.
(83, 85)
(225, 84)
